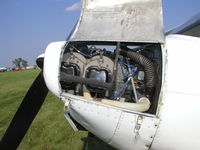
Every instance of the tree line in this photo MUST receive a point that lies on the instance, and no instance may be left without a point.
(20, 63)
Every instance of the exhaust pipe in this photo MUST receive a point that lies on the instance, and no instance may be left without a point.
(142, 106)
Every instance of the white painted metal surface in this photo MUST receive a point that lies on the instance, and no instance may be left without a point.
(134, 132)
(120, 128)
(179, 118)
(120, 20)
(52, 66)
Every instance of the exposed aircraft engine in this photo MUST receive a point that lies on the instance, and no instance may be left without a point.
(113, 73)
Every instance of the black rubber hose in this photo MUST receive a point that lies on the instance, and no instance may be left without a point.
(146, 64)
(88, 81)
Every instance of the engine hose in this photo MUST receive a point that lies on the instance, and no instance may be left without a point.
(87, 81)
(146, 64)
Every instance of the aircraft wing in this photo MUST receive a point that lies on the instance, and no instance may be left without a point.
(191, 27)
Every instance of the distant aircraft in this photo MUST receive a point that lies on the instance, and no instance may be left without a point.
(121, 78)
(3, 69)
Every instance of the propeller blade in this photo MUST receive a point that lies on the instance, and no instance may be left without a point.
(25, 114)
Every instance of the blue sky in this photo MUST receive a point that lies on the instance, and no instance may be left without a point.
(27, 26)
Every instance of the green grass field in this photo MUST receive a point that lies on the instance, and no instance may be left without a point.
(49, 130)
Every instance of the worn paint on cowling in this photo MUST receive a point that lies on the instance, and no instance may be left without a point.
(120, 20)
